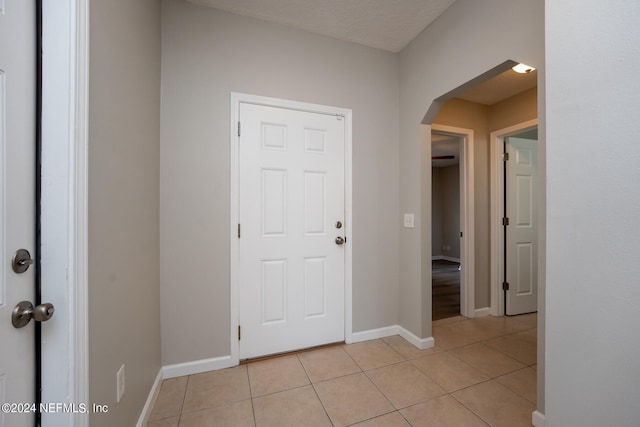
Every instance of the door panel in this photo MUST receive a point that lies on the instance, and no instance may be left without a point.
(291, 271)
(17, 136)
(522, 232)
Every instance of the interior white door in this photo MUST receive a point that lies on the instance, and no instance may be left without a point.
(522, 231)
(291, 269)
(17, 135)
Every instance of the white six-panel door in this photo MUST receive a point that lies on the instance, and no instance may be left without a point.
(17, 135)
(291, 270)
(522, 232)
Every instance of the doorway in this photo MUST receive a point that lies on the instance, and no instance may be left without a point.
(445, 225)
(452, 222)
(291, 226)
(514, 219)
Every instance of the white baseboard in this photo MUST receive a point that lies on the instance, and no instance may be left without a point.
(204, 365)
(537, 419)
(481, 312)
(373, 334)
(421, 343)
(197, 366)
(151, 400)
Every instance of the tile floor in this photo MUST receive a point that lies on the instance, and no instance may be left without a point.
(481, 372)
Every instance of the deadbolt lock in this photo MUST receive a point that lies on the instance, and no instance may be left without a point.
(339, 224)
(21, 261)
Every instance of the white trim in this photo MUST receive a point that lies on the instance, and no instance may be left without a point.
(467, 197)
(151, 400)
(78, 223)
(197, 366)
(538, 419)
(387, 331)
(496, 185)
(66, 132)
(235, 100)
(373, 334)
(482, 312)
(420, 343)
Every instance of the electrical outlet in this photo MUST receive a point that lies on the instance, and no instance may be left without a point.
(120, 383)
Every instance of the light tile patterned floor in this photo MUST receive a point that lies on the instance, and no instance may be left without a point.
(481, 372)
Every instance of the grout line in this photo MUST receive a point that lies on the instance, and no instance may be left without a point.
(470, 409)
(249, 382)
(322, 404)
(184, 397)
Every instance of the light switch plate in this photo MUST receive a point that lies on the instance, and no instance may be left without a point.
(408, 221)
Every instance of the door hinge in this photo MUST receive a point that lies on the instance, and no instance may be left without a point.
(238, 332)
(505, 157)
(505, 221)
(238, 128)
(505, 286)
(238, 231)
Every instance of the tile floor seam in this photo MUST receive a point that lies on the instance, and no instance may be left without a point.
(505, 354)
(373, 417)
(280, 391)
(379, 389)
(470, 409)
(462, 388)
(349, 356)
(322, 404)
(304, 368)
(184, 398)
(405, 418)
(251, 396)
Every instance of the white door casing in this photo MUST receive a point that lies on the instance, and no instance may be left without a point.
(292, 195)
(17, 140)
(64, 208)
(522, 231)
(467, 217)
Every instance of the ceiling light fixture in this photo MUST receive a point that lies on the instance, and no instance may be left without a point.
(522, 68)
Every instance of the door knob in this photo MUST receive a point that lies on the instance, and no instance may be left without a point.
(24, 311)
(340, 241)
(21, 261)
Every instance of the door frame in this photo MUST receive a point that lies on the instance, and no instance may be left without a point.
(236, 100)
(496, 188)
(467, 200)
(64, 199)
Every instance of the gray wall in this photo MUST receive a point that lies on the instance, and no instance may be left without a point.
(469, 39)
(123, 186)
(207, 54)
(593, 238)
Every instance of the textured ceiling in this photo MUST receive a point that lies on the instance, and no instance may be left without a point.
(384, 24)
